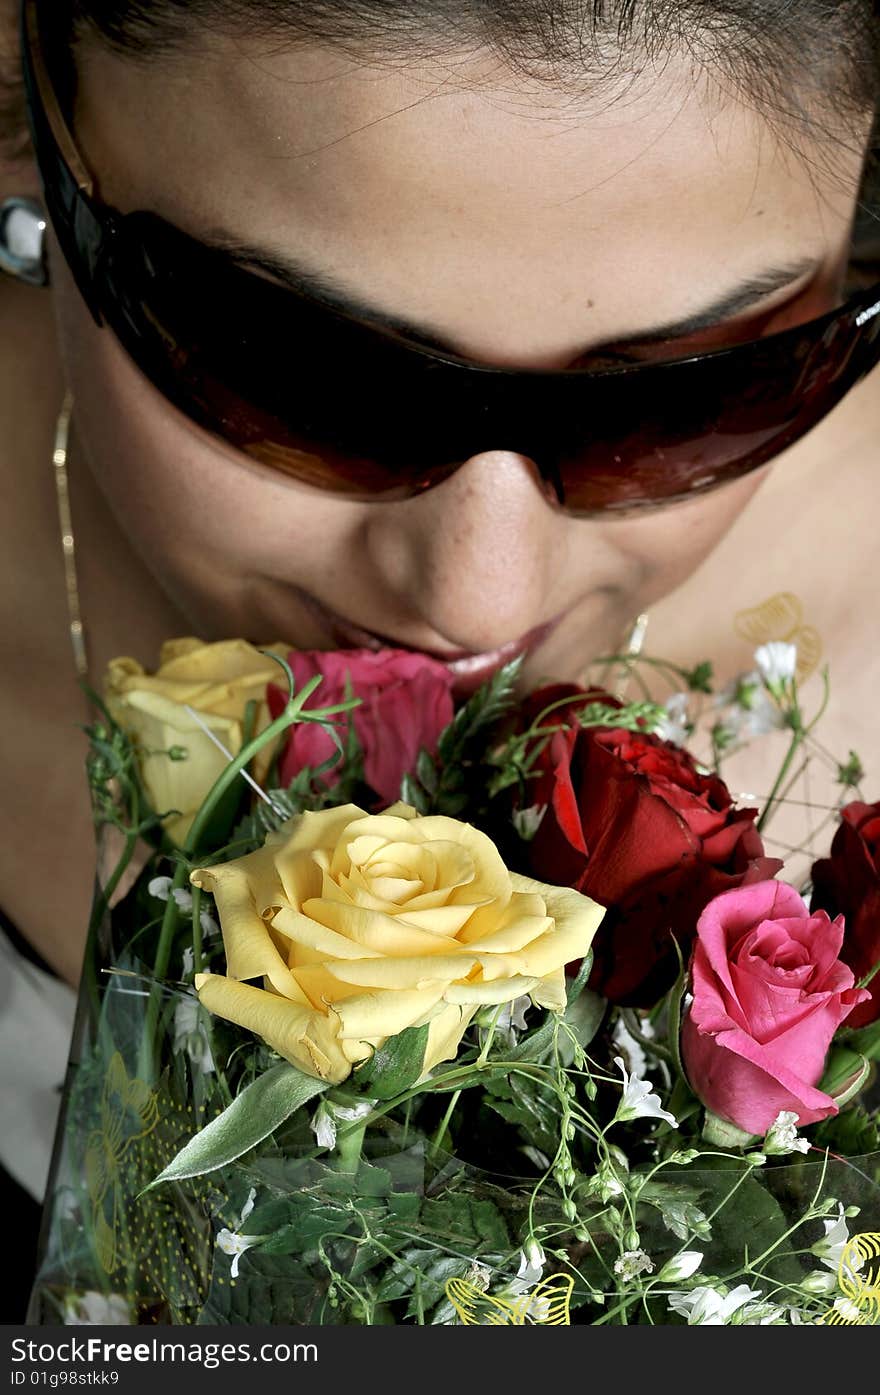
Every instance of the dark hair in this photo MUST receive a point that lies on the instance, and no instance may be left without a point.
(805, 64)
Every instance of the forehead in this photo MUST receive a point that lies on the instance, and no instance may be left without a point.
(460, 195)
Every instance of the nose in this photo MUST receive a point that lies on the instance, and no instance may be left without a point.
(476, 561)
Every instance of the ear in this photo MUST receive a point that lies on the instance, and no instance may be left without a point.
(18, 172)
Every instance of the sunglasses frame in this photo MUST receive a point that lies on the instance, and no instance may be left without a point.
(92, 233)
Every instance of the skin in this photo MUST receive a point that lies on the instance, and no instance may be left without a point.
(454, 196)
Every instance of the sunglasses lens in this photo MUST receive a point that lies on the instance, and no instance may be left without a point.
(701, 423)
(334, 405)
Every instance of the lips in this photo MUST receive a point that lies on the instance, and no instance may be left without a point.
(468, 670)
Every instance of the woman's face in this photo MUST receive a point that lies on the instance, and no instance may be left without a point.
(522, 227)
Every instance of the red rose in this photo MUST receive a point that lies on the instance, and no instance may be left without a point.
(632, 823)
(848, 883)
(406, 704)
(769, 994)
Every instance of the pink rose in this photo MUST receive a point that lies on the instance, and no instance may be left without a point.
(407, 702)
(769, 994)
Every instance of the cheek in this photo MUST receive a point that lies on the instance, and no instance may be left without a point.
(668, 546)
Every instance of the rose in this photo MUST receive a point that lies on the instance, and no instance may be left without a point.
(361, 926)
(769, 992)
(848, 883)
(406, 703)
(217, 681)
(634, 824)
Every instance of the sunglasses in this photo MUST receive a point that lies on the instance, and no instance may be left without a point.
(358, 410)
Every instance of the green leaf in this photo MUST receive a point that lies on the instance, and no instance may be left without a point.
(585, 1015)
(251, 1117)
(845, 1073)
(531, 1046)
(722, 1134)
(852, 1132)
(397, 1065)
(865, 1040)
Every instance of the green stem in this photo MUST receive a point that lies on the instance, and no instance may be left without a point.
(349, 1144)
(796, 740)
(444, 1125)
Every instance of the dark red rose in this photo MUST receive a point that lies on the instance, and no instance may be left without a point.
(848, 883)
(632, 823)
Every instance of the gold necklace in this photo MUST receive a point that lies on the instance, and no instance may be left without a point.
(68, 545)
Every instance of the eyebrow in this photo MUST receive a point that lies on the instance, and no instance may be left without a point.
(326, 289)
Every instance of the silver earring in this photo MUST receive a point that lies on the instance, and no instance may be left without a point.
(22, 241)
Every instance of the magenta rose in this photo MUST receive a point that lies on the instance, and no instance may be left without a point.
(407, 701)
(769, 992)
(848, 883)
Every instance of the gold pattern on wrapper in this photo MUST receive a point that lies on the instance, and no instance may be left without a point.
(858, 1275)
(158, 1247)
(547, 1305)
(781, 618)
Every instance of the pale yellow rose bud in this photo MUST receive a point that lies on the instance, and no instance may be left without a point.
(358, 926)
(217, 681)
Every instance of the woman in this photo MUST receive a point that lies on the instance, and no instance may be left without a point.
(523, 188)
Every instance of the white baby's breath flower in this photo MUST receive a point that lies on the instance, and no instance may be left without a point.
(632, 1050)
(682, 1266)
(674, 725)
(751, 712)
(632, 1263)
(191, 1034)
(705, 1306)
(323, 1123)
(93, 1309)
(531, 1266)
(528, 821)
(323, 1126)
(512, 1017)
(782, 1135)
(777, 663)
(233, 1242)
(639, 1101)
(161, 888)
(832, 1245)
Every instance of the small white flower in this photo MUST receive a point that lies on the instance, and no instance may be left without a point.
(233, 1242)
(639, 1101)
(832, 1245)
(681, 1266)
(851, 1312)
(531, 1266)
(323, 1123)
(632, 1050)
(819, 1282)
(93, 1309)
(528, 821)
(160, 887)
(512, 1017)
(709, 1307)
(191, 1035)
(782, 1135)
(777, 663)
(183, 900)
(632, 1263)
(674, 725)
(323, 1126)
(752, 712)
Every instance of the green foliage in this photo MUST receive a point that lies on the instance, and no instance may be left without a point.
(450, 782)
(251, 1117)
(395, 1066)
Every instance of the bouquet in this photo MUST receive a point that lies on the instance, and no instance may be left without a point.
(489, 1013)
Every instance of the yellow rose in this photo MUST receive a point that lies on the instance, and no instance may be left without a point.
(217, 681)
(363, 925)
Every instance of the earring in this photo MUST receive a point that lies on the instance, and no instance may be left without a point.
(22, 241)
